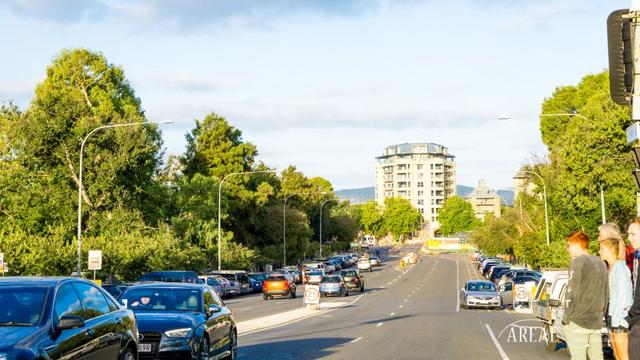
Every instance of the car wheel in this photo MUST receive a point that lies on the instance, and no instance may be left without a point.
(203, 349)
(233, 346)
(128, 354)
(265, 296)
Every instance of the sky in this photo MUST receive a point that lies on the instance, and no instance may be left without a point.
(325, 85)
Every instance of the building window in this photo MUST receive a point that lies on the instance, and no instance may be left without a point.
(420, 202)
(419, 166)
(420, 184)
(420, 193)
(420, 175)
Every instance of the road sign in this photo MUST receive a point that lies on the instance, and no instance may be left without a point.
(95, 260)
(312, 295)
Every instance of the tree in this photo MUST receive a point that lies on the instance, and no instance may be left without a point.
(371, 218)
(456, 215)
(400, 217)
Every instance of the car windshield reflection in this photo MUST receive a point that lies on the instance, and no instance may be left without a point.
(21, 306)
(162, 299)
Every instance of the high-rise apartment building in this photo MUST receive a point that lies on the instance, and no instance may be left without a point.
(424, 173)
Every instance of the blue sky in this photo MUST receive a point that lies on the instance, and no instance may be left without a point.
(325, 85)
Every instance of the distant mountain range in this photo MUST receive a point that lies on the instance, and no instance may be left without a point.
(362, 195)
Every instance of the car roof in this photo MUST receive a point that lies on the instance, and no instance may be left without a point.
(228, 272)
(479, 282)
(37, 280)
(167, 285)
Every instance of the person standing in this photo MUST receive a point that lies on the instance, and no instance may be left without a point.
(621, 295)
(585, 299)
(633, 232)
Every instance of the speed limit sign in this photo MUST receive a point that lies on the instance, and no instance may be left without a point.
(312, 295)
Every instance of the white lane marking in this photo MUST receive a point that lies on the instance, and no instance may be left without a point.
(400, 306)
(503, 354)
(379, 324)
(356, 340)
(392, 314)
(457, 281)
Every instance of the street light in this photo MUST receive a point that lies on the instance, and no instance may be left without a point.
(79, 236)
(320, 235)
(284, 223)
(220, 207)
(544, 189)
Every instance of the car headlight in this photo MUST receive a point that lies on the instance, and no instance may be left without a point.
(177, 333)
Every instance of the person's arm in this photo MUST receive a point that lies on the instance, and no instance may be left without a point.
(573, 290)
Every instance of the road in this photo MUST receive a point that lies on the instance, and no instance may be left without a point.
(404, 314)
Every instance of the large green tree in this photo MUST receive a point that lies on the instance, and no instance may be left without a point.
(400, 217)
(456, 215)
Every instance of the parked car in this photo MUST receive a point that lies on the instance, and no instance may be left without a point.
(60, 318)
(364, 265)
(375, 261)
(316, 265)
(229, 288)
(255, 281)
(506, 289)
(333, 285)
(171, 276)
(496, 272)
(186, 321)
(297, 274)
(214, 282)
(236, 277)
(276, 284)
(481, 294)
(114, 290)
(352, 279)
(314, 277)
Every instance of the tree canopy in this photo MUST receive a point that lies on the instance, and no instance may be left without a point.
(456, 215)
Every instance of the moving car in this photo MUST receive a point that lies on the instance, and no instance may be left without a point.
(374, 261)
(255, 281)
(333, 285)
(185, 321)
(314, 277)
(364, 265)
(352, 279)
(60, 318)
(481, 294)
(277, 284)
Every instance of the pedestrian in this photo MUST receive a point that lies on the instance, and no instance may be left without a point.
(633, 232)
(585, 299)
(621, 295)
(611, 230)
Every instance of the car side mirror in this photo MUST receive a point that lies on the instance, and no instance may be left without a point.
(554, 302)
(70, 322)
(213, 309)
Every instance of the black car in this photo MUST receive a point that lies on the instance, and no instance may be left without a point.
(63, 318)
(353, 280)
(181, 321)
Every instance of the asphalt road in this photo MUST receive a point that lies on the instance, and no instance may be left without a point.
(404, 314)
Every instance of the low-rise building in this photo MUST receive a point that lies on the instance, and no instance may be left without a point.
(483, 200)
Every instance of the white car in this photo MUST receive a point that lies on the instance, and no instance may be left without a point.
(374, 261)
(364, 264)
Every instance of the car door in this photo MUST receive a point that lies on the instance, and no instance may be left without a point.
(101, 320)
(77, 343)
(214, 322)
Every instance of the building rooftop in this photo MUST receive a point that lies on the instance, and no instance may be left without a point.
(483, 191)
(415, 148)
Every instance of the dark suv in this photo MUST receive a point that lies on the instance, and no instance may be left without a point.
(181, 321)
(353, 279)
(63, 318)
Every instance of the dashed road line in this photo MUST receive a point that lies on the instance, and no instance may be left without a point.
(356, 340)
(392, 314)
(379, 324)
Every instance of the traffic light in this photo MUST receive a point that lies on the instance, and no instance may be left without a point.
(620, 56)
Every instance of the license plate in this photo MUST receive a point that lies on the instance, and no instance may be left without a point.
(144, 348)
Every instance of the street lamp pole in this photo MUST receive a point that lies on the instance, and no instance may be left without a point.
(544, 189)
(84, 141)
(220, 208)
(320, 235)
(284, 224)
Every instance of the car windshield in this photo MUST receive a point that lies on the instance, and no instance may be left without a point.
(481, 287)
(349, 273)
(373, 258)
(211, 281)
(276, 278)
(315, 273)
(230, 277)
(256, 276)
(165, 299)
(331, 279)
(21, 306)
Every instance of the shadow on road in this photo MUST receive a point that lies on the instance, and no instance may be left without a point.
(311, 348)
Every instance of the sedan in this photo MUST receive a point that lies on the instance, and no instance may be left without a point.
(374, 261)
(185, 321)
(364, 264)
(481, 294)
(314, 277)
(214, 282)
(353, 280)
(333, 285)
(63, 318)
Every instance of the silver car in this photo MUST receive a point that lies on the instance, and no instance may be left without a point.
(480, 294)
